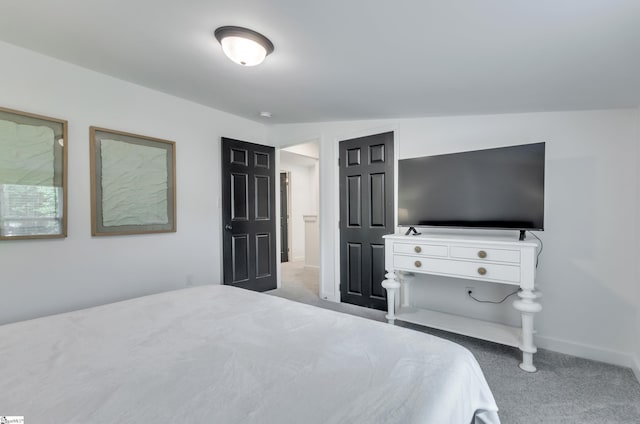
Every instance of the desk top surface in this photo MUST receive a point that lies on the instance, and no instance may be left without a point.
(464, 238)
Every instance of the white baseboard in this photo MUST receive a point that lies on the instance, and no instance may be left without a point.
(330, 298)
(588, 352)
(312, 266)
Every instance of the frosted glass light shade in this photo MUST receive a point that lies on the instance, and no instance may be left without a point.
(243, 51)
(243, 46)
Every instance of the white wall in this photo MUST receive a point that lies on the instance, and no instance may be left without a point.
(587, 272)
(40, 277)
(303, 188)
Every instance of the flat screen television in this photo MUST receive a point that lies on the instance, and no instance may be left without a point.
(500, 188)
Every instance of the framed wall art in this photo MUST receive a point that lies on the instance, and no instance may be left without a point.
(133, 183)
(33, 176)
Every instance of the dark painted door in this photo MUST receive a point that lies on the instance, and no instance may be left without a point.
(248, 215)
(366, 214)
(284, 217)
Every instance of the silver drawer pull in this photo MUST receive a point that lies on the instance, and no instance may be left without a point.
(482, 254)
(482, 271)
(418, 264)
(418, 249)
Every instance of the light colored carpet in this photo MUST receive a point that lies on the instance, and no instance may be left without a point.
(565, 389)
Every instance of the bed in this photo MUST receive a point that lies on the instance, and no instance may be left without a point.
(217, 354)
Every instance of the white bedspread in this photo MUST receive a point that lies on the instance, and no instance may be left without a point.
(217, 354)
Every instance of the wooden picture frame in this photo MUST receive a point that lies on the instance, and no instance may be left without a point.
(33, 176)
(133, 183)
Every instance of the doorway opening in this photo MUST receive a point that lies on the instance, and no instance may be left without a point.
(299, 221)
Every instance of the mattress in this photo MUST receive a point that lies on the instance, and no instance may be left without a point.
(217, 354)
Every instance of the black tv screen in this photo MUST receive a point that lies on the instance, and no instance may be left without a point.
(499, 188)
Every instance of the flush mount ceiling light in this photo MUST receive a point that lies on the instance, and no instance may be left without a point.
(244, 46)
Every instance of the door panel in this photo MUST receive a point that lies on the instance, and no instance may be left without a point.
(376, 153)
(366, 214)
(353, 157)
(240, 254)
(263, 256)
(262, 160)
(263, 201)
(239, 199)
(239, 157)
(377, 271)
(377, 215)
(248, 202)
(354, 200)
(354, 267)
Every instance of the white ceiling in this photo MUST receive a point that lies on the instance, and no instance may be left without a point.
(353, 59)
(310, 149)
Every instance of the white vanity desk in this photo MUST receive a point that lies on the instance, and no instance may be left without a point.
(493, 259)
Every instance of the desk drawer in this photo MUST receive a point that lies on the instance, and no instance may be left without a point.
(420, 249)
(483, 254)
(462, 269)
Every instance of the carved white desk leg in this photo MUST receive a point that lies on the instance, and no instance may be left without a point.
(528, 307)
(392, 286)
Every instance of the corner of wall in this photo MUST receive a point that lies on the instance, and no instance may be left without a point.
(636, 367)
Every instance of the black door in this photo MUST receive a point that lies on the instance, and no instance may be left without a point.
(284, 217)
(248, 206)
(366, 214)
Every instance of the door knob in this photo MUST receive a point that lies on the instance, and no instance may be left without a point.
(228, 227)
